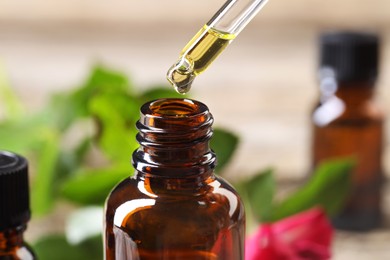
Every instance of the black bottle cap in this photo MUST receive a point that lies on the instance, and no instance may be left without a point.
(352, 56)
(14, 191)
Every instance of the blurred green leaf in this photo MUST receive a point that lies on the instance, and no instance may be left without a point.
(101, 81)
(70, 161)
(251, 221)
(106, 79)
(68, 107)
(63, 110)
(116, 135)
(93, 186)
(56, 247)
(76, 157)
(224, 144)
(261, 189)
(257, 194)
(24, 134)
(43, 191)
(328, 187)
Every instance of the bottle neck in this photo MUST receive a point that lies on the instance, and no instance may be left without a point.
(175, 186)
(174, 139)
(11, 238)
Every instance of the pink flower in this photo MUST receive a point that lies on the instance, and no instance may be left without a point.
(304, 236)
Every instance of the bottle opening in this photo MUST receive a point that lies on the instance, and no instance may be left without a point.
(174, 112)
(175, 107)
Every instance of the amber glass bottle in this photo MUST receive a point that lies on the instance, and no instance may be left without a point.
(174, 207)
(348, 122)
(14, 207)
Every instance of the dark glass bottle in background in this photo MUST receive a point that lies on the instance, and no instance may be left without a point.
(348, 122)
(174, 207)
(14, 207)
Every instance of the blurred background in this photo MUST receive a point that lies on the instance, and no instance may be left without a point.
(262, 87)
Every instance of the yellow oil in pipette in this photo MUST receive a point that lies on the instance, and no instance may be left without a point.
(211, 40)
(196, 56)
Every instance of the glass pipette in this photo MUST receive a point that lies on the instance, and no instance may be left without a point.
(211, 40)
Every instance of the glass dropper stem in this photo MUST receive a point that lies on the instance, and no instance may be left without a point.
(211, 40)
(234, 15)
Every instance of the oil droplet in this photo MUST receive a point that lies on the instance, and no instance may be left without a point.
(181, 75)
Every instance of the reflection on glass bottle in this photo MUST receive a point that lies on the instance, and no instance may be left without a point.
(14, 207)
(348, 122)
(174, 207)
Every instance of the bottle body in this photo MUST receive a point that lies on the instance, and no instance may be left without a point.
(208, 225)
(350, 124)
(174, 207)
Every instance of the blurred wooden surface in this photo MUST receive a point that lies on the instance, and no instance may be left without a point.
(262, 87)
(332, 12)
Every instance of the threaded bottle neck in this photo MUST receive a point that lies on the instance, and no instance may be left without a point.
(174, 138)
